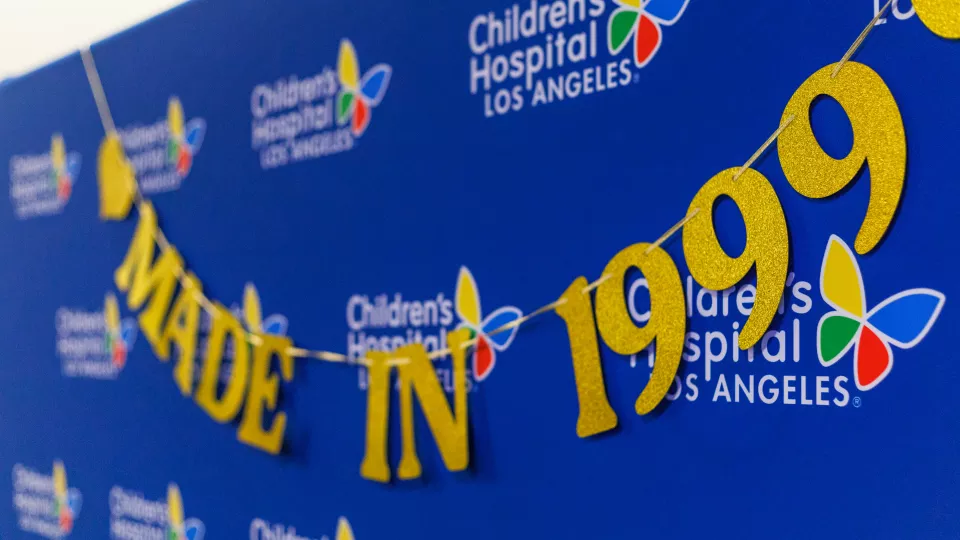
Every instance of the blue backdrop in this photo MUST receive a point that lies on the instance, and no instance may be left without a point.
(324, 219)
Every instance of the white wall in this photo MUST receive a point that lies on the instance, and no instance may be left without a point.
(36, 32)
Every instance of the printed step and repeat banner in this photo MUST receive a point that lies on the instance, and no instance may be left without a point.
(379, 269)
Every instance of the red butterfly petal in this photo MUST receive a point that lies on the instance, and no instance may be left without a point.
(63, 189)
(66, 521)
(119, 356)
(484, 359)
(873, 361)
(361, 117)
(184, 162)
(647, 40)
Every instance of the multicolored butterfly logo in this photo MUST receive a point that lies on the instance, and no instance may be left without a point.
(902, 320)
(359, 96)
(642, 19)
(66, 502)
(488, 343)
(274, 324)
(63, 168)
(119, 336)
(177, 527)
(185, 140)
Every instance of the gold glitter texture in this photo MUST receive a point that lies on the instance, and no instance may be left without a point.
(942, 17)
(878, 139)
(667, 322)
(767, 245)
(596, 414)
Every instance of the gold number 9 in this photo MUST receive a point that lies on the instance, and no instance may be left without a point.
(767, 245)
(878, 139)
(667, 316)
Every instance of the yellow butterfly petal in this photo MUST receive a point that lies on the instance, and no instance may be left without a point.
(251, 309)
(467, 298)
(58, 152)
(59, 479)
(111, 313)
(116, 179)
(344, 532)
(635, 4)
(175, 117)
(347, 65)
(174, 506)
(840, 279)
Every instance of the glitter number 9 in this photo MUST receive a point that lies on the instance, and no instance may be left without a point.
(667, 325)
(878, 139)
(767, 245)
(668, 316)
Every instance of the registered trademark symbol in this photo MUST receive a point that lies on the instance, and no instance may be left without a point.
(636, 77)
(856, 402)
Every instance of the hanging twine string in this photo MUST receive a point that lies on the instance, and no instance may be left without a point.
(756, 155)
(859, 41)
(96, 86)
(93, 77)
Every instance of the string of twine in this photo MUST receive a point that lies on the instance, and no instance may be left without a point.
(859, 41)
(109, 127)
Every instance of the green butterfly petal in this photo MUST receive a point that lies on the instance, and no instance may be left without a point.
(345, 106)
(834, 336)
(621, 26)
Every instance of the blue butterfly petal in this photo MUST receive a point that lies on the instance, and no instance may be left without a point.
(666, 11)
(375, 82)
(73, 166)
(497, 319)
(196, 129)
(193, 529)
(906, 318)
(275, 325)
(74, 501)
(128, 332)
